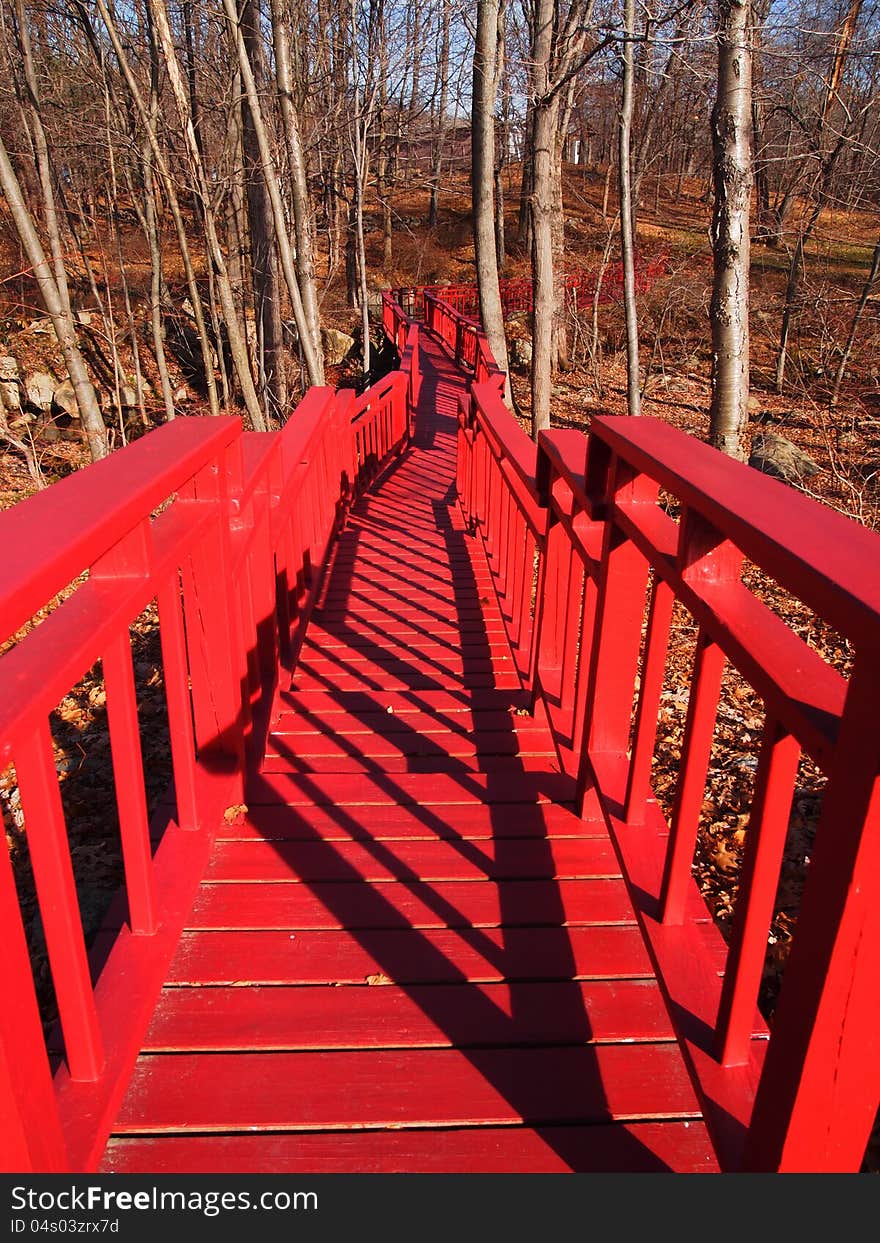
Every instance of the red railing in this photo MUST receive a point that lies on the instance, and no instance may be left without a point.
(516, 292)
(235, 560)
(588, 565)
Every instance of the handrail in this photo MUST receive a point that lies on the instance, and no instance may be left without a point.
(231, 533)
(610, 563)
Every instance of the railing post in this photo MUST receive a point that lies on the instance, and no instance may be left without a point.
(620, 606)
(30, 1134)
(216, 648)
(818, 1093)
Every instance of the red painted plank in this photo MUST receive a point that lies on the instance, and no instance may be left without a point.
(428, 1016)
(348, 741)
(429, 790)
(388, 664)
(343, 644)
(416, 904)
(508, 859)
(437, 1087)
(432, 701)
(409, 957)
(277, 761)
(304, 680)
(467, 822)
(603, 1149)
(332, 723)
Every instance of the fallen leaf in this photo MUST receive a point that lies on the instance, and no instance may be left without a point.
(378, 978)
(235, 813)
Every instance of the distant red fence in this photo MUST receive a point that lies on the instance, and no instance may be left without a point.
(230, 532)
(588, 564)
(516, 292)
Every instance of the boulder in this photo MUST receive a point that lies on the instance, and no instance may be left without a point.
(337, 346)
(10, 387)
(39, 388)
(42, 328)
(521, 352)
(64, 399)
(776, 456)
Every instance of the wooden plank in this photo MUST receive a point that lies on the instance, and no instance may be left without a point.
(436, 1087)
(378, 740)
(409, 957)
(468, 822)
(384, 663)
(428, 1016)
(431, 790)
(433, 701)
(333, 724)
(278, 762)
(413, 904)
(645, 1147)
(507, 859)
(304, 680)
(356, 646)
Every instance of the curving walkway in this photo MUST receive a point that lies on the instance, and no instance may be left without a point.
(410, 955)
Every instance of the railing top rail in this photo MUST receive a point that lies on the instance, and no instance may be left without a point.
(823, 557)
(49, 539)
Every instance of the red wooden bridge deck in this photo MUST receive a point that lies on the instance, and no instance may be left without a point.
(441, 924)
(411, 931)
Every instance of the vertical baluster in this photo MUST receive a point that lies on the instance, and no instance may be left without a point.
(817, 1098)
(582, 668)
(638, 786)
(59, 908)
(177, 698)
(765, 842)
(31, 1136)
(693, 768)
(131, 799)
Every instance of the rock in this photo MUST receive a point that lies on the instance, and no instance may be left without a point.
(587, 396)
(10, 387)
(754, 406)
(521, 352)
(128, 397)
(42, 328)
(39, 388)
(776, 456)
(337, 346)
(84, 318)
(64, 399)
(181, 395)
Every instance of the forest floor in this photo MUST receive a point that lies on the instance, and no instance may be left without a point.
(843, 442)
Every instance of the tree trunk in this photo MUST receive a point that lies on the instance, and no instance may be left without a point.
(867, 289)
(441, 116)
(171, 197)
(732, 174)
(237, 345)
(482, 178)
(303, 215)
(314, 365)
(264, 269)
(90, 413)
(633, 393)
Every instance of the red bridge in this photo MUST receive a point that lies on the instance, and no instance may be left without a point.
(410, 904)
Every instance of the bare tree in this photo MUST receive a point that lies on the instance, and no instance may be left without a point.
(732, 176)
(485, 83)
(90, 412)
(633, 395)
